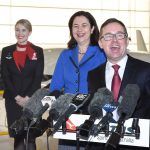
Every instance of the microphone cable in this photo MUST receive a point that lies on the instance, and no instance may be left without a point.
(47, 142)
(27, 138)
(34, 120)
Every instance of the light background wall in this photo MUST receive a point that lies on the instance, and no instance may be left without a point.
(50, 19)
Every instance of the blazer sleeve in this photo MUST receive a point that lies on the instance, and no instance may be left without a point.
(5, 73)
(38, 74)
(57, 82)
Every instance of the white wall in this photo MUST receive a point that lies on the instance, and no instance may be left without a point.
(50, 18)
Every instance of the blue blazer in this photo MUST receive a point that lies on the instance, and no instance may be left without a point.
(71, 75)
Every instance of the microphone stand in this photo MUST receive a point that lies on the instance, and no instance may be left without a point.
(136, 127)
(114, 138)
(64, 129)
(78, 139)
(105, 129)
(64, 126)
(102, 126)
(51, 126)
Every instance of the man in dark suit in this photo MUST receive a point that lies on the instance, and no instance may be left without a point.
(114, 40)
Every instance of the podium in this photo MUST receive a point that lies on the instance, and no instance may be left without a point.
(75, 120)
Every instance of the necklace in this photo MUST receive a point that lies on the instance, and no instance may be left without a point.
(81, 53)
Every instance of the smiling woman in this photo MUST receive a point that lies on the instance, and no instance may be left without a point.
(82, 55)
(22, 66)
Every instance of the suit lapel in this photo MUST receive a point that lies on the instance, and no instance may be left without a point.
(128, 76)
(102, 76)
(99, 78)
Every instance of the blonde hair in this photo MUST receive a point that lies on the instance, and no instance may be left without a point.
(26, 23)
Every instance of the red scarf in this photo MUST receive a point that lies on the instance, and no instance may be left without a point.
(20, 56)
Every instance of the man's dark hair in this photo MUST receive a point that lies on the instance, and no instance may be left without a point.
(112, 20)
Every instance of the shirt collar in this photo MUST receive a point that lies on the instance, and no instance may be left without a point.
(121, 63)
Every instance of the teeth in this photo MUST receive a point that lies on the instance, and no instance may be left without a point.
(20, 37)
(115, 46)
(80, 35)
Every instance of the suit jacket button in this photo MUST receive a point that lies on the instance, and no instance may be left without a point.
(77, 71)
(76, 81)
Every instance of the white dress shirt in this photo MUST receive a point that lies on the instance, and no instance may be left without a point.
(109, 71)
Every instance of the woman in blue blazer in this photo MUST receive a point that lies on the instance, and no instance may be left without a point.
(22, 70)
(82, 55)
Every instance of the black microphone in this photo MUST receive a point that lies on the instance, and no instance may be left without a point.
(103, 124)
(34, 105)
(57, 109)
(76, 102)
(18, 126)
(38, 116)
(31, 109)
(126, 108)
(59, 106)
(101, 97)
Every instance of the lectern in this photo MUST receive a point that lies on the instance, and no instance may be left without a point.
(75, 120)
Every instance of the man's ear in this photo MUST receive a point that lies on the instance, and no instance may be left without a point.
(128, 40)
(100, 44)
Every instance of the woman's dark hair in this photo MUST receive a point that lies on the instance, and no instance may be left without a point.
(94, 36)
(112, 20)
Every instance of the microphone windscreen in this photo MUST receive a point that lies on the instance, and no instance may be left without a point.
(101, 97)
(62, 103)
(130, 96)
(35, 104)
(53, 115)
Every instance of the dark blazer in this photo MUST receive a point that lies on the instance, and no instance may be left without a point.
(21, 83)
(136, 72)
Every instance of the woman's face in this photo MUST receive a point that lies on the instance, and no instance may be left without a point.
(22, 34)
(82, 30)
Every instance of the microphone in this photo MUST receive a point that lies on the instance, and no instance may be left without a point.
(18, 126)
(58, 108)
(34, 105)
(76, 102)
(130, 96)
(126, 108)
(55, 108)
(103, 125)
(37, 117)
(31, 109)
(101, 97)
(60, 105)
(47, 101)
